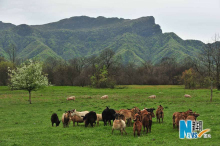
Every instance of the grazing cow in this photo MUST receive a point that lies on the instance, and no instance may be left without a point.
(55, 119)
(108, 115)
(119, 123)
(90, 118)
(66, 119)
(159, 113)
(129, 114)
(71, 98)
(77, 119)
(104, 97)
(152, 96)
(137, 124)
(187, 96)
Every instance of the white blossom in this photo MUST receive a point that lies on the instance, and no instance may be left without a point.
(28, 77)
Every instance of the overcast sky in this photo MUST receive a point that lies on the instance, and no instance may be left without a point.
(189, 19)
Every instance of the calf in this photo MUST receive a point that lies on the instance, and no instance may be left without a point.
(90, 118)
(137, 124)
(55, 119)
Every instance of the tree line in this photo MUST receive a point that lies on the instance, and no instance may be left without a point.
(106, 70)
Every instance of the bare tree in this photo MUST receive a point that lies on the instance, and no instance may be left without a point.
(107, 57)
(208, 63)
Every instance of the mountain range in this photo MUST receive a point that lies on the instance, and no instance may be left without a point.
(134, 40)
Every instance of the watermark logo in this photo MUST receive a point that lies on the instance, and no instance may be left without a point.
(192, 130)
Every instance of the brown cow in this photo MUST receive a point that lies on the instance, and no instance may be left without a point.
(137, 124)
(77, 119)
(147, 121)
(159, 113)
(66, 119)
(129, 114)
(177, 116)
(192, 116)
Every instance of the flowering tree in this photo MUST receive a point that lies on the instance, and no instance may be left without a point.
(28, 77)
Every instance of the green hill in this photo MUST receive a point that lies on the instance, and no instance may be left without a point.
(136, 40)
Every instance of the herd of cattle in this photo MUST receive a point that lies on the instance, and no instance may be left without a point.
(141, 118)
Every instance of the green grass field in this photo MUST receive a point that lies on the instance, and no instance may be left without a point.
(22, 123)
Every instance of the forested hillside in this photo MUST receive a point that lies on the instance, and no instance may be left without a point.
(136, 40)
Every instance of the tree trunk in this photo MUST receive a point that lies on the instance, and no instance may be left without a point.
(217, 78)
(30, 96)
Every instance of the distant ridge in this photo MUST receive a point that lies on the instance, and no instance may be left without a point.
(135, 40)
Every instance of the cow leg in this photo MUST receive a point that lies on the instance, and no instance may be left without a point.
(112, 130)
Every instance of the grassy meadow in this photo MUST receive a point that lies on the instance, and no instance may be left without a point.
(22, 123)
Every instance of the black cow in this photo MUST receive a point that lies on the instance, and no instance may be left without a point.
(108, 115)
(90, 118)
(55, 119)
